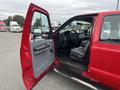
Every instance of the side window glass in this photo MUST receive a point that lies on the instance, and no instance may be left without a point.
(105, 30)
(39, 26)
(111, 29)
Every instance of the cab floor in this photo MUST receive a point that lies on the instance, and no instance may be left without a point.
(70, 64)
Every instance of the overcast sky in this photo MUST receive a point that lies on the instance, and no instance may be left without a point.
(60, 10)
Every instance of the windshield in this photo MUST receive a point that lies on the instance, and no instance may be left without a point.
(77, 25)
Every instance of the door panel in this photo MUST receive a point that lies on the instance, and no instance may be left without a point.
(37, 52)
(42, 55)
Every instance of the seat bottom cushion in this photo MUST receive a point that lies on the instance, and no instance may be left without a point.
(78, 54)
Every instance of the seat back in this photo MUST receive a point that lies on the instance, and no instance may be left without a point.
(80, 54)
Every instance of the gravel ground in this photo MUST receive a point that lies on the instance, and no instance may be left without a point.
(10, 69)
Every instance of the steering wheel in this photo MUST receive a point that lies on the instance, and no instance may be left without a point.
(74, 36)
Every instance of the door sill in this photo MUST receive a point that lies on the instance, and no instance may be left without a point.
(76, 79)
(72, 66)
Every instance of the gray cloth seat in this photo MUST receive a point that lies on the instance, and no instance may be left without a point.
(79, 54)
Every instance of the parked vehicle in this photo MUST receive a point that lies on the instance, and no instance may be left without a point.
(2, 27)
(14, 27)
(84, 54)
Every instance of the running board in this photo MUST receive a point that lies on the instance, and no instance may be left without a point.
(77, 80)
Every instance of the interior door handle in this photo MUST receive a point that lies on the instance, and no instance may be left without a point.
(42, 47)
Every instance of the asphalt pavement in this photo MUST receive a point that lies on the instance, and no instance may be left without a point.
(10, 69)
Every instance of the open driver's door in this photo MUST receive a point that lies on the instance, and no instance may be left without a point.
(37, 52)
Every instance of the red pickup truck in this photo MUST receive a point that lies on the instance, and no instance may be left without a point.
(86, 48)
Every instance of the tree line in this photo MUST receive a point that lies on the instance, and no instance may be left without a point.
(18, 18)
